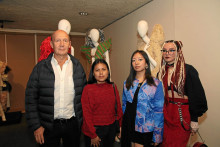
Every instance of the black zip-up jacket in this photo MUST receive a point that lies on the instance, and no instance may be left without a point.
(39, 93)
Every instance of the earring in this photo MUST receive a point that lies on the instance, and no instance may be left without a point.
(146, 67)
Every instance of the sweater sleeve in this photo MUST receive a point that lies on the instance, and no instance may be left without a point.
(195, 93)
(31, 100)
(158, 114)
(87, 128)
(119, 109)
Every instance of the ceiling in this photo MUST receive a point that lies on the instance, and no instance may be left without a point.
(45, 14)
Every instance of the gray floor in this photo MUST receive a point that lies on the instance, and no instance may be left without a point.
(18, 135)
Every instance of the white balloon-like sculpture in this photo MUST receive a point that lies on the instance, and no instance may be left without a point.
(65, 26)
(94, 35)
(142, 29)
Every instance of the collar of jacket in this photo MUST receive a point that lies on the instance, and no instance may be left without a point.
(136, 82)
(135, 85)
(49, 65)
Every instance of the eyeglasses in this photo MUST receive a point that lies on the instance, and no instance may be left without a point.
(168, 51)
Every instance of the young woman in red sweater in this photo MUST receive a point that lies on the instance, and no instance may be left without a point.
(98, 104)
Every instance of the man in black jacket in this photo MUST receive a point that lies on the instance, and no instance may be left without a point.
(53, 96)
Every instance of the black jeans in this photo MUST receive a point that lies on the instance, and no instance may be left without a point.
(67, 130)
(106, 134)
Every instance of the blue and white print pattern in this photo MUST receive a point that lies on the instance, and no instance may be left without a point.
(149, 113)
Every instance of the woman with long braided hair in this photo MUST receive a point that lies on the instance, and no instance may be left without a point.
(185, 98)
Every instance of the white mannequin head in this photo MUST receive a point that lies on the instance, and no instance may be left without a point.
(94, 35)
(142, 28)
(64, 25)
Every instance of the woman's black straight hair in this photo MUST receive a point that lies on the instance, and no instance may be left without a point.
(148, 77)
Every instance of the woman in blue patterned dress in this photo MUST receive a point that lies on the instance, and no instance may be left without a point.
(142, 105)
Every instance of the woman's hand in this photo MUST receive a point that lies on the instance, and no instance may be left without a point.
(95, 142)
(155, 144)
(194, 127)
(119, 134)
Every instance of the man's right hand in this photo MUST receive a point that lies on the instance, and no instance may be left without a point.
(39, 135)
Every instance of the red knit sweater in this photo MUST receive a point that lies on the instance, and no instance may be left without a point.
(98, 104)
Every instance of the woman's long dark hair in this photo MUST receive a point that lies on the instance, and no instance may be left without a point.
(148, 77)
(92, 79)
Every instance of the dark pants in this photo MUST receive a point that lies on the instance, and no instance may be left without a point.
(67, 130)
(106, 134)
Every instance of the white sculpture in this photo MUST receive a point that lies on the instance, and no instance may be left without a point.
(152, 45)
(142, 28)
(94, 35)
(65, 26)
(96, 47)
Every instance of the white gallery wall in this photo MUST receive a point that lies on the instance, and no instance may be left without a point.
(197, 24)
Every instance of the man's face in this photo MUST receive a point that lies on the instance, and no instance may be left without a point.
(60, 43)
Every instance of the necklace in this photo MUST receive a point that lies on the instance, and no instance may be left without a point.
(170, 65)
